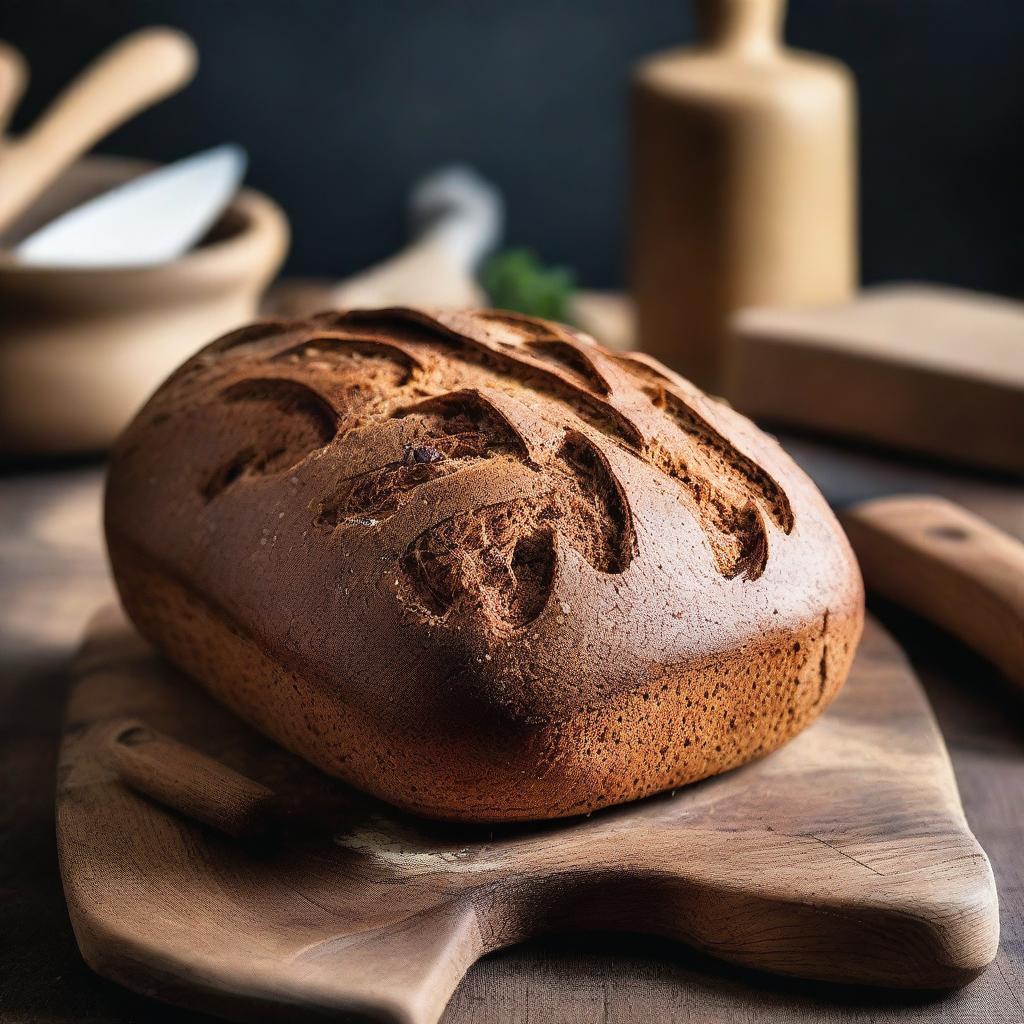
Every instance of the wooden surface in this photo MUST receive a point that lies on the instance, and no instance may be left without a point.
(52, 577)
(844, 857)
(952, 567)
(941, 370)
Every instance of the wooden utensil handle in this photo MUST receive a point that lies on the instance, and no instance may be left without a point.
(13, 78)
(136, 72)
(189, 782)
(950, 566)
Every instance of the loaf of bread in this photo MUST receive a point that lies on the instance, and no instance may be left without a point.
(477, 565)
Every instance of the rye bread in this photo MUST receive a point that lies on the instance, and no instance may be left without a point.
(477, 565)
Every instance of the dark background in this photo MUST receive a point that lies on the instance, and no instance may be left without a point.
(343, 104)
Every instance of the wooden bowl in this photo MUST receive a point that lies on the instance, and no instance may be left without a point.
(81, 349)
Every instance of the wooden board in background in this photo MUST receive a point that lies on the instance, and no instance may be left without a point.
(844, 856)
(937, 371)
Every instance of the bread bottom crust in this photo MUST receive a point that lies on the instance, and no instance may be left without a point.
(683, 726)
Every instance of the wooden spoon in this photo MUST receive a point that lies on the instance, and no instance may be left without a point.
(142, 68)
(13, 78)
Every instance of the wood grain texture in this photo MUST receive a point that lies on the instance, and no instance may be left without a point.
(845, 857)
(937, 371)
(935, 557)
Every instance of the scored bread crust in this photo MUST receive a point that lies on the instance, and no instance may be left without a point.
(477, 565)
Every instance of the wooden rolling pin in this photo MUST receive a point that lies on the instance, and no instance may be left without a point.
(948, 565)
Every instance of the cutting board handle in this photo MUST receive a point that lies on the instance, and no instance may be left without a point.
(404, 972)
(181, 778)
(948, 565)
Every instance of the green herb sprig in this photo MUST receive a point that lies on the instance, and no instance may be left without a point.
(515, 279)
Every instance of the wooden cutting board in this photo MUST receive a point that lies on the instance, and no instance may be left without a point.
(937, 371)
(845, 856)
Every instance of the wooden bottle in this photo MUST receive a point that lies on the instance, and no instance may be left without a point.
(743, 183)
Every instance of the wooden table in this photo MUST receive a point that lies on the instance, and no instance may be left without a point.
(52, 575)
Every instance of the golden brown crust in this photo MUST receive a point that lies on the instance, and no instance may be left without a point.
(477, 565)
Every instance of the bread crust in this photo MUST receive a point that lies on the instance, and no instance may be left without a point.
(475, 564)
